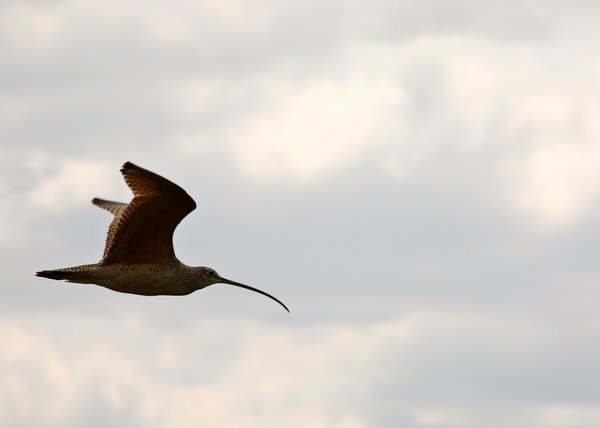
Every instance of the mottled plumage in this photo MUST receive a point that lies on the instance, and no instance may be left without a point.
(138, 256)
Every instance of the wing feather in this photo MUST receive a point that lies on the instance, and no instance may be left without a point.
(142, 231)
(111, 206)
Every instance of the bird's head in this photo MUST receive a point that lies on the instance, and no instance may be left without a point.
(207, 276)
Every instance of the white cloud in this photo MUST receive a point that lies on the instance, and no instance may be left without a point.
(530, 128)
(225, 373)
(433, 97)
(402, 103)
(203, 24)
(72, 183)
(563, 415)
(557, 184)
(307, 129)
(36, 28)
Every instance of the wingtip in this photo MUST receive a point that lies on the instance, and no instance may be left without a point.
(131, 167)
(128, 165)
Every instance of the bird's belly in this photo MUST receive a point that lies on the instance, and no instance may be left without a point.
(147, 280)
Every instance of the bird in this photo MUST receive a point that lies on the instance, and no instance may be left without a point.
(138, 255)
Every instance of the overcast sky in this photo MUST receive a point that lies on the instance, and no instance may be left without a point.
(418, 181)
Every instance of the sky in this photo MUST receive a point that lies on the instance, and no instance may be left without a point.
(417, 181)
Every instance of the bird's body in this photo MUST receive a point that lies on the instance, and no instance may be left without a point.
(170, 277)
(139, 256)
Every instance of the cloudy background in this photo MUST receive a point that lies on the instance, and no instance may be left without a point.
(418, 181)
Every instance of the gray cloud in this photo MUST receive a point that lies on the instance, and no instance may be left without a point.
(418, 182)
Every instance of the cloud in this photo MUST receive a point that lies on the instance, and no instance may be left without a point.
(393, 169)
(305, 130)
(72, 184)
(411, 103)
(497, 114)
(557, 184)
(413, 368)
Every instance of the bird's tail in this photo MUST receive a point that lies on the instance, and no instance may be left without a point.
(80, 274)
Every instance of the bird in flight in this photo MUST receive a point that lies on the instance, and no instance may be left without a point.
(138, 256)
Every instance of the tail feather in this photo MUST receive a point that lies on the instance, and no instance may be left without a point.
(80, 274)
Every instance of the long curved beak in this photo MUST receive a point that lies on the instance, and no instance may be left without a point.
(247, 287)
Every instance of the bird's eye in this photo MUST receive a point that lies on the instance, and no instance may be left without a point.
(211, 273)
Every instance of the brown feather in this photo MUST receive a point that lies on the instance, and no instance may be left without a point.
(110, 206)
(142, 232)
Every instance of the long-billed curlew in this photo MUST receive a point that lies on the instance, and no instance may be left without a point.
(138, 256)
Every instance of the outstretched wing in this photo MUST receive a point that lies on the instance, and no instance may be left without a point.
(142, 231)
